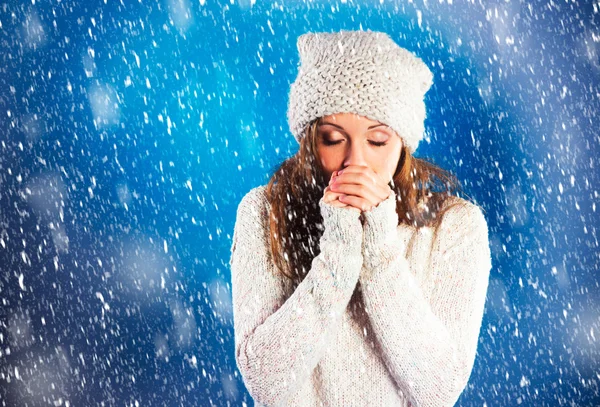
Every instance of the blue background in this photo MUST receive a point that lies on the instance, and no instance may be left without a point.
(129, 132)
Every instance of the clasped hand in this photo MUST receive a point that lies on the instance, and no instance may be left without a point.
(357, 187)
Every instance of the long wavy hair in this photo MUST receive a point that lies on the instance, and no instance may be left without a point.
(297, 185)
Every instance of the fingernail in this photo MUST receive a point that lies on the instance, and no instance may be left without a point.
(340, 172)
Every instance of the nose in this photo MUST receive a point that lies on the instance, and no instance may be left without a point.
(355, 155)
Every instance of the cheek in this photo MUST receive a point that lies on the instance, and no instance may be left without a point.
(390, 162)
(328, 158)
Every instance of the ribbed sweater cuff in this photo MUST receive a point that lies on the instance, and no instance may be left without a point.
(341, 225)
(380, 240)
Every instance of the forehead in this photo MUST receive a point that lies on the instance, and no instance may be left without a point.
(349, 119)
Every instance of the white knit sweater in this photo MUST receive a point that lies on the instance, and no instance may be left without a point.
(388, 315)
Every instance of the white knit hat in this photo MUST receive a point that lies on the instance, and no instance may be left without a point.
(362, 72)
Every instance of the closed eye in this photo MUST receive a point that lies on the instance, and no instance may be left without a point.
(374, 143)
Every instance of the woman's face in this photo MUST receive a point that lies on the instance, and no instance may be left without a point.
(345, 139)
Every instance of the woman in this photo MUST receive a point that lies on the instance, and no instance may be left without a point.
(355, 280)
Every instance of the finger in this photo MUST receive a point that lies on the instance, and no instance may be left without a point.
(362, 169)
(361, 185)
(364, 188)
(374, 185)
(357, 202)
(357, 190)
(338, 204)
(329, 192)
(364, 176)
(332, 198)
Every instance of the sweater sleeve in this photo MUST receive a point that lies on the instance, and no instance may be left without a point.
(279, 341)
(428, 346)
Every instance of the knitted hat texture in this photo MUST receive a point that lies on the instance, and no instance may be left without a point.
(362, 72)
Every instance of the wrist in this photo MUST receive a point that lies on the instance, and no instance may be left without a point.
(381, 222)
(341, 224)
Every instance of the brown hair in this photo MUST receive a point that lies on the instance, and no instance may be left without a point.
(296, 187)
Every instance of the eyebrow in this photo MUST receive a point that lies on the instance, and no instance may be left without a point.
(341, 128)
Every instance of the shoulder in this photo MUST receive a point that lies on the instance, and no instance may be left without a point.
(456, 206)
(259, 192)
(462, 231)
(460, 216)
(254, 204)
(256, 197)
(252, 217)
